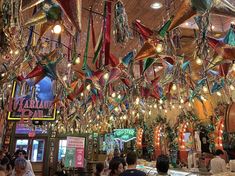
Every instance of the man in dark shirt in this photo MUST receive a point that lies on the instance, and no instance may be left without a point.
(162, 164)
(131, 160)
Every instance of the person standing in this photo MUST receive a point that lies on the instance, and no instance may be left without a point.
(131, 160)
(117, 157)
(21, 168)
(117, 168)
(99, 169)
(218, 164)
(162, 165)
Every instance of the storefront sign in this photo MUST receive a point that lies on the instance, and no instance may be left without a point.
(125, 134)
(74, 156)
(36, 102)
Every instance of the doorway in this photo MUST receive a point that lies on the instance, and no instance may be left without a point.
(35, 149)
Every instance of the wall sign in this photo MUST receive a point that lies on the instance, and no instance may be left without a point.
(125, 134)
(35, 103)
(74, 156)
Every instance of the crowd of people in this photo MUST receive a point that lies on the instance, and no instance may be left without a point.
(16, 165)
(120, 166)
(126, 166)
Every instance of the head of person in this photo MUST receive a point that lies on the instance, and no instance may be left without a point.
(219, 152)
(110, 156)
(99, 168)
(20, 166)
(131, 158)
(22, 154)
(162, 164)
(117, 167)
(116, 152)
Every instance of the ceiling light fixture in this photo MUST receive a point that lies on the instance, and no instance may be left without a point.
(156, 5)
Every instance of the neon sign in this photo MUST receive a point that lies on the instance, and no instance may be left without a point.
(125, 134)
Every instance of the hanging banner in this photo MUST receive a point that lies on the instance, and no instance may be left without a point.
(32, 101)
(74, 156)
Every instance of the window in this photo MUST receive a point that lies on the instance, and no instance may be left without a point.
(37, 150)
(62, 149)
(22, 144)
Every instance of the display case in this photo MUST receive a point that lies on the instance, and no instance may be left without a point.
(151, 171)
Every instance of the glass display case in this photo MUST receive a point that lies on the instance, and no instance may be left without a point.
(151, 171)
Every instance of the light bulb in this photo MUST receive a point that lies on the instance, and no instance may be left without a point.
(77, 60)
(160, 107)
(9, 85)
(69, 65)
(150, 112)
(133, 112)
(189, 104)
(65, 78)
(180, 106)
(165, 111)
(88, 87)
(155, 106)
(119, 96)
(231, 87)
(173, 106)
(199, 61)
(205, 89)
(82, 94)
(159, 48)
(218, 93)
(233, 67)
(160, 101)
(174, 87)
(187, 24)
(124, 117)
(16, 52)
(116, 109)
(113, 94)
(181, 100)
(111, 118)
(57, 29)
(11, 52)
(137, 101)
(106, 76)
(3, 74)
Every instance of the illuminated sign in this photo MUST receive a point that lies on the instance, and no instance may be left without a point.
(39, 107)
(125, 134)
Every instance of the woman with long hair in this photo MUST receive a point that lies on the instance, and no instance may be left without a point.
(116, 168)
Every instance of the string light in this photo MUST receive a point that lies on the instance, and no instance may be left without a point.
(116, 109)
(205, 89)
(218, 93)
(133, 112)
(137, 101)
(88, 87)
(155, 106)
(173, 106)
(180, 106)
(189, 104)
(3, 74)
(165, 111)
(233, 67)
(57, 29)
(181, 101)
(174, 87)
(231, 87)
(113, 94)
(119, 96)
(106, 76)
(124, 117)
(65, 78)
(16, 52)
(199, 61)
(77, 60)
(161, 101)
(150, 112)
(160, 107)
(82, 94)
(11, 52)
(159, 48)
(69, 65)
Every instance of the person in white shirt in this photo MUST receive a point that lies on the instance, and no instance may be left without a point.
(21, 168)
(218, 164)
